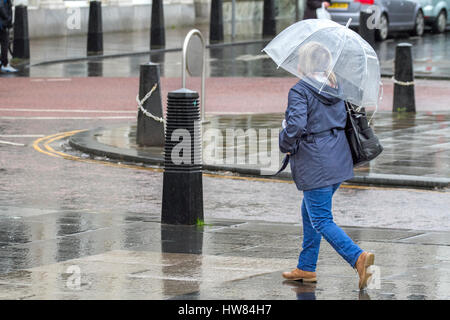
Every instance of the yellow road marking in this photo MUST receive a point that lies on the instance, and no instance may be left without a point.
(38, 141)
(215, 175)
(45, 141)
(52, 152)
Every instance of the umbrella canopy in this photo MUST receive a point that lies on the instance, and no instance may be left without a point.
(328, 55)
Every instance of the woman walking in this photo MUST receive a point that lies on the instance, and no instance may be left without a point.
(320, 160)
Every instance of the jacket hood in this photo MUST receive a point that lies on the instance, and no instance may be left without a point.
(329, 97)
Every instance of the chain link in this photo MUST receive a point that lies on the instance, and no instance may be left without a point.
(141, 102)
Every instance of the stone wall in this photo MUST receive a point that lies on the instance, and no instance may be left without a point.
(249, 14)
(48, 18)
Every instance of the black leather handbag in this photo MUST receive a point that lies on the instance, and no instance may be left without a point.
(364, 144)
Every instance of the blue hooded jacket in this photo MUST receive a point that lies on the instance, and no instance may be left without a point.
(320, 154)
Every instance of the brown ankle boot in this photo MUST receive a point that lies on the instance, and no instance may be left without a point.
(365, 260)
(297, 274)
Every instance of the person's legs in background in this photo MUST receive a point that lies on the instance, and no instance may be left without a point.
(4, 39)
(4, 43)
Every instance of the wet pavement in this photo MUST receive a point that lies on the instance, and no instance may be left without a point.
(416, 147)
(430, 53)
(94, 255)
(64, 217)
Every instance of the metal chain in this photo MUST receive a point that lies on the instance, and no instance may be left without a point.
(141, 102)
(402, 83)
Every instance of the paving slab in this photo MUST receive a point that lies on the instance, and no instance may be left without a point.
(224, 259)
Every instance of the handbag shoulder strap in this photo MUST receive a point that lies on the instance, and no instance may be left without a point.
(283, 165)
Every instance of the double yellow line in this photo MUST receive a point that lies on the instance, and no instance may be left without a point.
(42, 145)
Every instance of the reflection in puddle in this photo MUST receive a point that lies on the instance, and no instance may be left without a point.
(303, 290)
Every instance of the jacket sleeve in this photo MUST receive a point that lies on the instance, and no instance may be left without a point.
(314, 4)
(296, 120)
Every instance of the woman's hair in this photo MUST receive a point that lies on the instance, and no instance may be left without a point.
(314, 57)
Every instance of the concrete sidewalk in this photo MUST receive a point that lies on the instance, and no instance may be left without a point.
(48, 50)
(93, 255)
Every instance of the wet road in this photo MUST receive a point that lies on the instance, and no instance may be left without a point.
(431, 57)
(32, 180)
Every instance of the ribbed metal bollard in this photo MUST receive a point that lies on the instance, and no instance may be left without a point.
(365, 32)
(216, 21)
(404, 95)
(150, 132)
(182, 201)
(157, 30)
(21, 43)
(95, 29)
(269, 23)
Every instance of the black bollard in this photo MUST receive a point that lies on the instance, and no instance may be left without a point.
(157, 31)
(182, 201)
(216, 22)
(404, 97)
(269, 23)
(181, 239)
(365, 31)
(95, 29)
(150, 132)
(21, 43)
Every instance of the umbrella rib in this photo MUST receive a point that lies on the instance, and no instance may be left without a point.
(312, 34)
(334, 64)
(361, 41)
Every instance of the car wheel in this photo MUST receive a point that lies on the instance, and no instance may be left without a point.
(382, 32)
(441, 22)
(419, 26)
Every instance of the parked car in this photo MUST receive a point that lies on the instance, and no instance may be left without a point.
(436, 13)
(396, 15)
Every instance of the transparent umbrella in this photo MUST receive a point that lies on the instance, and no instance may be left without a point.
(331, 57)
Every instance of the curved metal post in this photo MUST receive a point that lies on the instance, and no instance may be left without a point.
(183, 66)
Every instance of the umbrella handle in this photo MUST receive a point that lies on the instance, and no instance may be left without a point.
(348, 22)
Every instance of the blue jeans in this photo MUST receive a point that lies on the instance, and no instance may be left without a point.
(318, 222)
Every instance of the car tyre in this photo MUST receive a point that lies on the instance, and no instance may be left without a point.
(441, 22)
(382, 32)
(419, 25)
